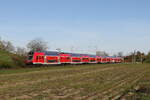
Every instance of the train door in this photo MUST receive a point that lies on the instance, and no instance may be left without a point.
(40, 59)
(65, 58)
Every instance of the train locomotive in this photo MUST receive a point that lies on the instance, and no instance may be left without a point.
(54, 57)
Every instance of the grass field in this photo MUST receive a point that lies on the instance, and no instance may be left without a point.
(82, 82)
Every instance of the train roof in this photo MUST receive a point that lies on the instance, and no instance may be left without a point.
(84, 54)
(75, 55)
(56, 53)
(92, 55)
(52, 53)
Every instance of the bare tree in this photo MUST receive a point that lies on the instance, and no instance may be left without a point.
(21, 51)
(120, 54)
(115, 55)
(101, 53)
(148, 55)
(1, 44)
(37, 45)
(98, 53)
(8, 46)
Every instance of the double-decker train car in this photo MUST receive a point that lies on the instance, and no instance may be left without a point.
(108, 59)
(99, 59)
(85, 58)
(76, 58)
(53, 57)
(64, 58)
(103, 60)
(47, 57)
(92, 59)
(119, 60)
(116, 59)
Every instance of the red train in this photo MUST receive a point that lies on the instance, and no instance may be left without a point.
(53, 57)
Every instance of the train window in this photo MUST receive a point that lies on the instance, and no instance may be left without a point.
(68, 58)
(30, 53)
(85, 59)
(30, 57)
(92, 60)
(42, 57)
(37, 58)
(76, 60)
(51, 61)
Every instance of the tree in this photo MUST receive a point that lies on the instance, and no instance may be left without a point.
(120, 54)
(138, 56)
(148, 55)
(37, 45)
(1, 44)
(21, 51)
(114, 55)
(147, 58)
(101, 53)
(8, 46)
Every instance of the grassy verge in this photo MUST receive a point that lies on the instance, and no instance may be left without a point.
(10, 60)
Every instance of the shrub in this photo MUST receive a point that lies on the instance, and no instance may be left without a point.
(10, 60)
(18, 60)
(6, 60)
(147, 61)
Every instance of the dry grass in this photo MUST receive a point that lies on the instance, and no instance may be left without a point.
(82, 82)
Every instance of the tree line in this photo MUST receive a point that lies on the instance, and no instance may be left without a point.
(137, 56)
(17, 55)
(13, 57)
(34, 45)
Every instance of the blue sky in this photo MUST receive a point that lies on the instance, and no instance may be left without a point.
(83, 25)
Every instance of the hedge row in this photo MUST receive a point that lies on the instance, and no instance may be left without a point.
(9, 60)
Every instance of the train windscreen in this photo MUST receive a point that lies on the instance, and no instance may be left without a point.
(30, 57)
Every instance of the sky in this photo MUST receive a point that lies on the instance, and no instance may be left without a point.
(83, 26)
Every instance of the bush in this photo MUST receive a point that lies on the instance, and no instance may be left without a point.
(9, 60)
(147, 61)
(6, 60)
(18, 60)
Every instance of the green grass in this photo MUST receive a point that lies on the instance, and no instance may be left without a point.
(10, 60)
(42, 68)
(70, 82)
(5, 60)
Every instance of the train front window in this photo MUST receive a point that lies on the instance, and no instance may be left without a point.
(30, 57)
